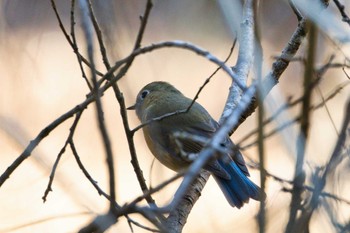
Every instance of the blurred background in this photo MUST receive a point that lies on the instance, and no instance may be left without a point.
(41, 80)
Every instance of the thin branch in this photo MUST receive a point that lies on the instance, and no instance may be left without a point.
(87, 28)
(99, 36)
(193, 101)
(121, 101)
(299, 176)
(279, 66)
(119, 95)
(341, 9)
(70, 136)
(159, 118)
(212, 75)
(320, 182)
(43, 133)
(287, 105)
(53, 4)
(254, 165)
(170, 44)
(258, 63)
(148, 212)
(327, 110)
(99, 190)
(74, 43)
(144, 20)
(295, 10)
(94, 183)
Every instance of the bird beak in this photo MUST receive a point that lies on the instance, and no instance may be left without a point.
(133, 107)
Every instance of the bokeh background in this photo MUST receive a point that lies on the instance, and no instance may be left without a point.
(41, 80)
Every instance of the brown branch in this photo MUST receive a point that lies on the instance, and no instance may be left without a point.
(87, 28)
(255, 165)
(212, 75)
(341, 9)
(99, 190)
(120, 98)
(299, 176)
(73, 42)
(258, 63)
(70, 136)
(290, 122)
(99, 36)
(119, 95)
(53, 4)
(289, 104)
(320, 182)
(43, 133)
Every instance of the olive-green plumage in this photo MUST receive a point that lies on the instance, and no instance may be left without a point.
(159, 98)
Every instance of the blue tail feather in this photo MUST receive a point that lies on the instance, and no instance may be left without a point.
(239, 188)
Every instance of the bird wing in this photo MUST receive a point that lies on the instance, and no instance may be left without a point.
(202, 125)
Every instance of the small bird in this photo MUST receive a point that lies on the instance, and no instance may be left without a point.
(230, 172)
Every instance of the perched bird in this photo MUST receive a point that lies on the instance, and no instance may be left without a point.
(230, 172)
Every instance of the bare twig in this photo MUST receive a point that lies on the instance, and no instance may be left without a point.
(129, 133)
(43, 133)
(99, 36)
(70, 136)
(72, 44)
(169, 44)
(287, 105)
(212, 75)
(341, 9)
(99, 190)
(279, 66)
(320, 182)
(258, 63)
(254, 165)
(87, 28)
(299, 176)
(121, 101)
(295, 10)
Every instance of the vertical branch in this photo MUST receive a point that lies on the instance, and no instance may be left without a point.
(99, 36)
(119, 94)
(129, 133)
(178, 216)
(89, 39)
(299, 176)
(258, 62)
(244, 60)
(303, 223)
(279, 66)
(74, 44)
(72, 41)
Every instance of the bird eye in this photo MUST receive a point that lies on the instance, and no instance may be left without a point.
(144, 94)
